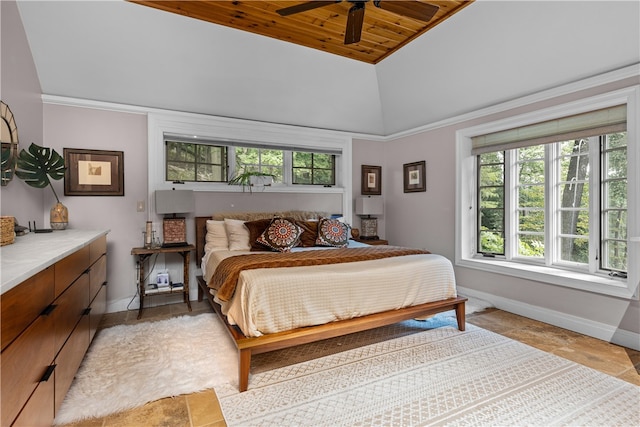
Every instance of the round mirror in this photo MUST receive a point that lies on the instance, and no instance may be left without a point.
(9, 140)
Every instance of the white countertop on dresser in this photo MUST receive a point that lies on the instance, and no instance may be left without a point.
(34, 252)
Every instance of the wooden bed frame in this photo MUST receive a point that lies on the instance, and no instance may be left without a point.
(247, 346)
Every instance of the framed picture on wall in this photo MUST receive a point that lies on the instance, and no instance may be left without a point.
(415, 177)
(93, 172)
(371, 176)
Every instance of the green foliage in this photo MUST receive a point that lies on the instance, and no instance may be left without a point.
(492, 243)
(38, 165)
(269, 162)
(313, 168)
(195, 162)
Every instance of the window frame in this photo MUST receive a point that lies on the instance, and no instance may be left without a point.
(313, 168)
(231, 131)
(466, 199)
(223, 164)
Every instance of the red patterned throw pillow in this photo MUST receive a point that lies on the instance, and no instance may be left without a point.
(281, 235)
(332, 232)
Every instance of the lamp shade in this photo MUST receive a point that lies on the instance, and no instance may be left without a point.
(369, 206)
(174, 201)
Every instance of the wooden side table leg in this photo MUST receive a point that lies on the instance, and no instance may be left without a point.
(186, 256)
(141, 260)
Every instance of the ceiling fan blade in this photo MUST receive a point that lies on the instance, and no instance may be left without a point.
(354, 23)
(411, 9)
(303, 7)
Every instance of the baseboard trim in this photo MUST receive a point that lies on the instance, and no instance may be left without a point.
(581, 325)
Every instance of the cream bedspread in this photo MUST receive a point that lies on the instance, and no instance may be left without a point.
(272, 300)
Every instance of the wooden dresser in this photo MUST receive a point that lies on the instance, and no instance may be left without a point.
(53, 297)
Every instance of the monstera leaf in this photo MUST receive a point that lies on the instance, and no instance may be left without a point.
(38, 165)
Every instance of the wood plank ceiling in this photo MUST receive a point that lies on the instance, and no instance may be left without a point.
(323, 28)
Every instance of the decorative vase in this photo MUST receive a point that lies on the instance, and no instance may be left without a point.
(59, 217)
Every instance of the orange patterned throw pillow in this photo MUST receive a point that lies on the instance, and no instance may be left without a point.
(281, 235)
(332, 232)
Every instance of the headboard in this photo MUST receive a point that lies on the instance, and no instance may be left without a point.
(201, 222)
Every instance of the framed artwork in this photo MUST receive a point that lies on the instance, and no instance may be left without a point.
(371, 176)
(93, 172)
(415, 177)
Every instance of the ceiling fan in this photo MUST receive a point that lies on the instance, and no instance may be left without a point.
(412, 9)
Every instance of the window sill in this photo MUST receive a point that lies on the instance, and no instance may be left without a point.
(617, 287)
(276, 188)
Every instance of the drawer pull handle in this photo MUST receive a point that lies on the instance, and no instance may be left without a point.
(86, 311)
(48, 310)
(47, 373)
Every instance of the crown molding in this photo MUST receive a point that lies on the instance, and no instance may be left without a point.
(587, 83)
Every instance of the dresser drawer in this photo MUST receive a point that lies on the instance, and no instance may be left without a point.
(70, 307)
(98, 275)
(97, 248)
(98, 308)
(69, 359)
(68, 269)
(24, 303)
(38, 412)
(23, 365)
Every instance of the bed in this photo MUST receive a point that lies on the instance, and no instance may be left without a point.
(272, 298)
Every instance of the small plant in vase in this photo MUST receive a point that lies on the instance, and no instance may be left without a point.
(37, 166)
(252, 178)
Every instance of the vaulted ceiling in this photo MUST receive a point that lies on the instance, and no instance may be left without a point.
(384, 26)
(488, 52)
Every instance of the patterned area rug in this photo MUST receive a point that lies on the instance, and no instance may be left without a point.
(435, 377)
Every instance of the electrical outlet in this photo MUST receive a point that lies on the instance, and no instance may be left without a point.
(140, 206)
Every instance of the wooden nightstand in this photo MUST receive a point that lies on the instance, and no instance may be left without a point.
(372, 241)
(143, 255)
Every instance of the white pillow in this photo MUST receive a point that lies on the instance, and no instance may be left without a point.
(216, 238)
(237, 234)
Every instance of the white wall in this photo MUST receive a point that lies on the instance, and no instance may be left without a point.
(20, 90)
(370, 153)
(71, 127)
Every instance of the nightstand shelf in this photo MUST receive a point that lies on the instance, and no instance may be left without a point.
(143, 255)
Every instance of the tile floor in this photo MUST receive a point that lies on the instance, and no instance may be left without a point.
(202, 409)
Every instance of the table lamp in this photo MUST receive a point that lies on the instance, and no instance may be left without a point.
(369, 206)
(170, 203)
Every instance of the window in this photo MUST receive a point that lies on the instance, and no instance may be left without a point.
(491, 203)
(205, 162)
(260, 160)
(613, 204)
(550, 204)
(313, 168)
(195, 162)
(548, 195)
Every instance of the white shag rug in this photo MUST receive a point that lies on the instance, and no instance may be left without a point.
(438, 377)
(130, 365)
